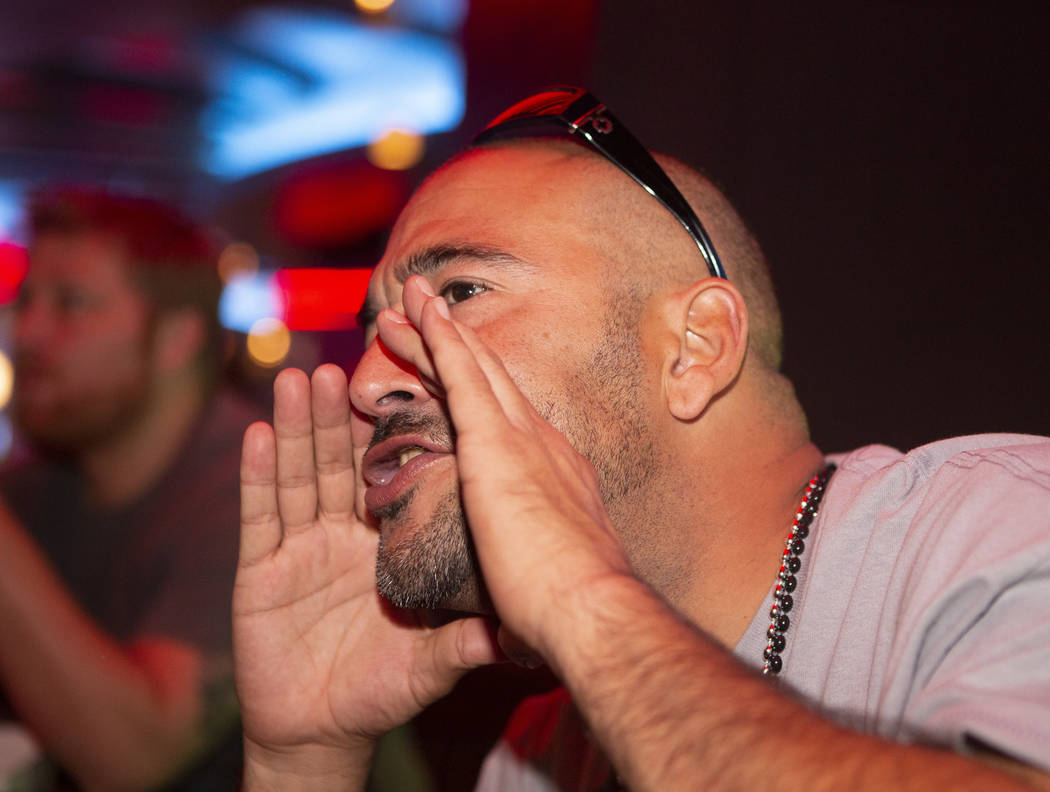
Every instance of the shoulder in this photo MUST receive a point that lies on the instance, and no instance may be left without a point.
(997, 476)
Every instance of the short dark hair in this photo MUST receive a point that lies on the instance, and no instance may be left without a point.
(173, 259)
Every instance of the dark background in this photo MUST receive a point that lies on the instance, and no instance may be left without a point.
(892, 158)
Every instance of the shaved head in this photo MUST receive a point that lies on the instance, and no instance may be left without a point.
(648, 249)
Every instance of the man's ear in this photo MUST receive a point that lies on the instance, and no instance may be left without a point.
(711, 332)
(178, 337)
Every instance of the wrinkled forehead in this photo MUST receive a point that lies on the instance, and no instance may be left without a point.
(500, 201)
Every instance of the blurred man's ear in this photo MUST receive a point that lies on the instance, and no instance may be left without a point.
(178, 339)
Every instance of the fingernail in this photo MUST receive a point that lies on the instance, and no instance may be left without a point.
(442, 307)
(425, 287)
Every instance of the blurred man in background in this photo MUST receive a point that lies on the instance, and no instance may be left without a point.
(118, 541)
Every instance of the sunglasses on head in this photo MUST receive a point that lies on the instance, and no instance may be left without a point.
(579, 114)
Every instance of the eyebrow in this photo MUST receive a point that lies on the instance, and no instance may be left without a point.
(432, 259)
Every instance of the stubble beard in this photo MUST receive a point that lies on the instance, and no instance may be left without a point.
(433, 566)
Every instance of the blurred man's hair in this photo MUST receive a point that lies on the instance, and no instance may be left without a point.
(173, 260)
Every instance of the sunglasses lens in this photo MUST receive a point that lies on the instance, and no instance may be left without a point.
(553, 101)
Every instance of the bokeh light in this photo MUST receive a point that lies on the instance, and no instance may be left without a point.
(396, 149)
(269, 342)
(7, 379)
(373, 6)
(237, 258)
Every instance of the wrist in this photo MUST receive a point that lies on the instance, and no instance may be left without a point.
(586, 626)
(321, 768)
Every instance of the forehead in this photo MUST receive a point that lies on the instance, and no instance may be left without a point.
(526, 203)
(82, 257)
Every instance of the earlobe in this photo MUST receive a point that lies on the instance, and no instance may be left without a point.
(712, 340)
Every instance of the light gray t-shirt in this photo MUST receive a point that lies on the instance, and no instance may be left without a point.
(920, 614)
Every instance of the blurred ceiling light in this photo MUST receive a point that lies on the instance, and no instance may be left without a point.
(374, 6)
(247, 298)
(237, 258)
(268, 342)
(295, 84)
(7, 379)
(396, 149)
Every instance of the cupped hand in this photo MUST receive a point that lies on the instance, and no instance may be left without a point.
(541, 530)
(322, 662)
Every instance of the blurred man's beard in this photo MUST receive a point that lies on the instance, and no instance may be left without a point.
(434, 566)
(67, 425)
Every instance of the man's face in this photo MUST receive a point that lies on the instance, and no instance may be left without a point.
(81, 343)
(501, 236)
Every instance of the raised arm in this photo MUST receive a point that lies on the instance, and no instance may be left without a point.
(324, 666)
(668, 705)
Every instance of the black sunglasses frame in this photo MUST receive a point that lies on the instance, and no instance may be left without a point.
(580, 114)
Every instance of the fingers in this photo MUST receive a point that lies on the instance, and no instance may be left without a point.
(401, 338)
(333, 453)
(296, 470)
(459, 357)
(260, 524)
(462, 645)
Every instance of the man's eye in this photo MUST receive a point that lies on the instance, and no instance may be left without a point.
(458, 291)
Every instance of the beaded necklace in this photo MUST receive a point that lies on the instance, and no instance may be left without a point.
(779, 622)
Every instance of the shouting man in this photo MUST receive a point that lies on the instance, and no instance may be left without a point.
(569, 434)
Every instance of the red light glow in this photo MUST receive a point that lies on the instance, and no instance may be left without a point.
(322, 299)
(13, 266)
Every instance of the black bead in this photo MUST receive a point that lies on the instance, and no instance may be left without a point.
(782, 623)
(797, 545)
(768, 652)
(786, 603)
(793, 565)
(775, 664)
(804, 520)
(774, 611)
(790, 582)
(801, 531)
(779, 642)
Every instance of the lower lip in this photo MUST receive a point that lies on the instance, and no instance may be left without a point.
(379, 495)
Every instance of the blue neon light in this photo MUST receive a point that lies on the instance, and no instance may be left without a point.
(297, 85)
(247, 298)
(12, 198)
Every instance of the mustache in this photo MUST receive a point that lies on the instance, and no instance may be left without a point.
(436, 428)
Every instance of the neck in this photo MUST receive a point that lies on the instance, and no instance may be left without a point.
(126, 466)
(746, 475)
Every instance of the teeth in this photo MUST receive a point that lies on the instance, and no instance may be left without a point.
(407, 454)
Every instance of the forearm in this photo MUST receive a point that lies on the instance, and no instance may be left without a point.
(673, 710)
(115, 718)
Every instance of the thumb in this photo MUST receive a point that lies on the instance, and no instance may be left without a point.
(462, 645)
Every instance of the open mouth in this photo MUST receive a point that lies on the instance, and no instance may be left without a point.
(394, 465)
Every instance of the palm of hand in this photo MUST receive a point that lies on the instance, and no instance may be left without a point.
(320, 657)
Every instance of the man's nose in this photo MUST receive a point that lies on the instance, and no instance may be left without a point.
(383, 383)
